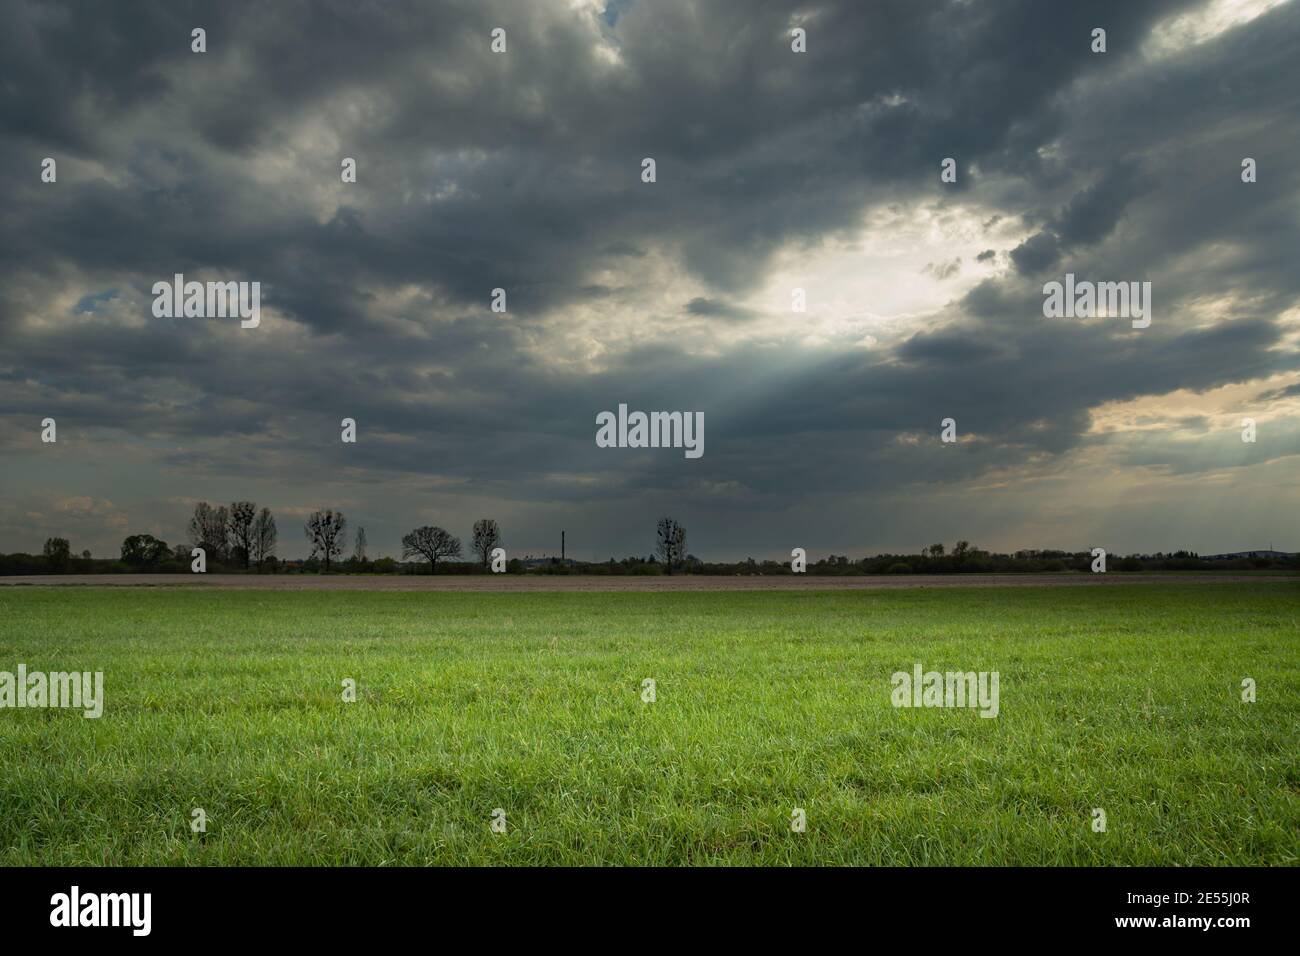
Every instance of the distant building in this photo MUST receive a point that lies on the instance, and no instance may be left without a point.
(531, 562)
(1238, 555)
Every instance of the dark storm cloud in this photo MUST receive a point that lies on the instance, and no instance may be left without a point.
(1292, 391)
(1040, 251)
(724, 310)
(522, 171)
(755, 146)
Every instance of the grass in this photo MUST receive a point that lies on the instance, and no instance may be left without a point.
(1127, 699)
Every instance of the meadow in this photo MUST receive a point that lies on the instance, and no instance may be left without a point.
(1127, 699)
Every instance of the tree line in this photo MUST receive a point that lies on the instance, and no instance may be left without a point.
(242, 536)
(238, 535)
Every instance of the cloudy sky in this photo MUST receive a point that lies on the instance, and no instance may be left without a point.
(775, 170)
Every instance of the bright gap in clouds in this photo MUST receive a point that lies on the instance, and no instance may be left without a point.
(902, 269)
(897, 274)
(1177, 33)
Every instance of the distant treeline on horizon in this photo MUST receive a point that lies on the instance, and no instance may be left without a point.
(243, 539)
(932, 560)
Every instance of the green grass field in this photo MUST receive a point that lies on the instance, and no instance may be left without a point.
(1124, 698)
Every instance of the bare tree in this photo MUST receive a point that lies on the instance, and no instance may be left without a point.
(433, 543)
(487, 535)
(325, 532)
(242, 514)
(194, 530)
(208, 530)
(58, 553)
(672, 543)
(264, 535)
(359, 555)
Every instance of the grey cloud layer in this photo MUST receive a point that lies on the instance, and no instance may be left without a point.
(522, 171)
